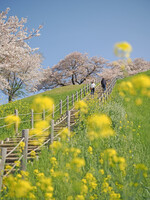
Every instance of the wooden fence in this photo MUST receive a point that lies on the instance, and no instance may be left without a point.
(55, 112)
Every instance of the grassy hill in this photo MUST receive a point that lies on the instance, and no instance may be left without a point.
(107, 156)
(24, 106)
(109, 168)
(140, 115)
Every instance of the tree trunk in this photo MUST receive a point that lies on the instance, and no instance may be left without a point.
(72, 79)
(9, 98)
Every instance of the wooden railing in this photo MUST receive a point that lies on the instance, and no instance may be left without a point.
(56, 112)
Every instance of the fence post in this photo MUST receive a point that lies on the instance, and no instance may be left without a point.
(32, 119)
(68, 122)
(86, 87)
(53, 112)
(84, 91)
(102, 98)
(72, 99)
(106, 95)
(76, 95)
(2, 163)
(68, 119)
(25, 134)
(16, 124)
(67, 101)
(81, 93)
(43, 114)
(52, 131)
(60, 107)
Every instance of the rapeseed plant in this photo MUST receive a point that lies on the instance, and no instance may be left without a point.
(138, 86)
(99, 127)
(12, 119)
(42, 103)
(90, 150)
(21, 146)
(91, 181)
(17, 187)
(122, 49)
(33, 154)
(82, 106)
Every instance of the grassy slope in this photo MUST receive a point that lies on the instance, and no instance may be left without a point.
(24, 105)
(130, 141)
(140, 115)
(56, 94)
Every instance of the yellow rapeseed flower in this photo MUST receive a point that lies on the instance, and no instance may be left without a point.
(22, 145)
(99, 126)
(122, 49)
(99, 121)
(17, 188)
(65, 133)
(141, 166)
(114, 196)
(91, 181)
(10, 119)
(36, 171)
(138, 101)
(77, 163)
(90, 150)
(42, 103)
(53, 161)
(69, 198)
(101, 171)
(82, 106)
(75, 151)
(48, 195)
(84, 189)
(79, 197)
(126, 86)
(110, 156)
(17, 163)
(55, 146)
(41, 125)
(8, 167)
(24, 173)
(33, 154)
(141, 81)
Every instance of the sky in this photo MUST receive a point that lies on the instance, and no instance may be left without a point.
(86, 26)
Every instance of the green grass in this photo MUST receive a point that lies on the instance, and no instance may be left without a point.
(140, 115)
(24, 106)
(131, 124)
(99, 178)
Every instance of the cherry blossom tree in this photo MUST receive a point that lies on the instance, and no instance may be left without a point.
(20, 65)
(75, 68)
(121, 68)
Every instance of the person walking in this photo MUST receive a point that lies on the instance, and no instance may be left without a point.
(103, 84)
(92, 87)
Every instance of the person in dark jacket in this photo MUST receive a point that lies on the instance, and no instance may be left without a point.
(103, 84)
